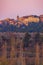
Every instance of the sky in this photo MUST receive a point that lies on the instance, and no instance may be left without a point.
(12, 8)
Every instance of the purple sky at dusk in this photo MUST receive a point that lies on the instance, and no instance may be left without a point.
(12, 8)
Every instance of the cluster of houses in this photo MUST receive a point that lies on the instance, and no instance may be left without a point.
(23, 20)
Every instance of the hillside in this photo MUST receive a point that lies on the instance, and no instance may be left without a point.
(32, 23)
(31, 27)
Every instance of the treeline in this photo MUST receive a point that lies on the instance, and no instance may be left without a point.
(31, 27)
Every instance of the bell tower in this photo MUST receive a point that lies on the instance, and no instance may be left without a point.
(17, 17)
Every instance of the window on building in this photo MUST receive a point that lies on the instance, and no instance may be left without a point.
(17, 54)
(8, 55)
(21, 38)
(1, 44)
(29, 63)
(25, 54)
(8, 49)
(31, 55)
(8, 44)
(40, 55)
(18, 45)
(1, 52)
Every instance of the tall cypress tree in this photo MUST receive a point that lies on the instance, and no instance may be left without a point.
(26, 40)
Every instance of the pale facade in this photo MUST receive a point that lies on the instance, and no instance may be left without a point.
(13, 53)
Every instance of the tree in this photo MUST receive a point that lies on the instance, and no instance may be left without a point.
(26, 40)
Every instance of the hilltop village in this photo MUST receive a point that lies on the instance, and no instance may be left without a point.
(30, 23)
(24, 19)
